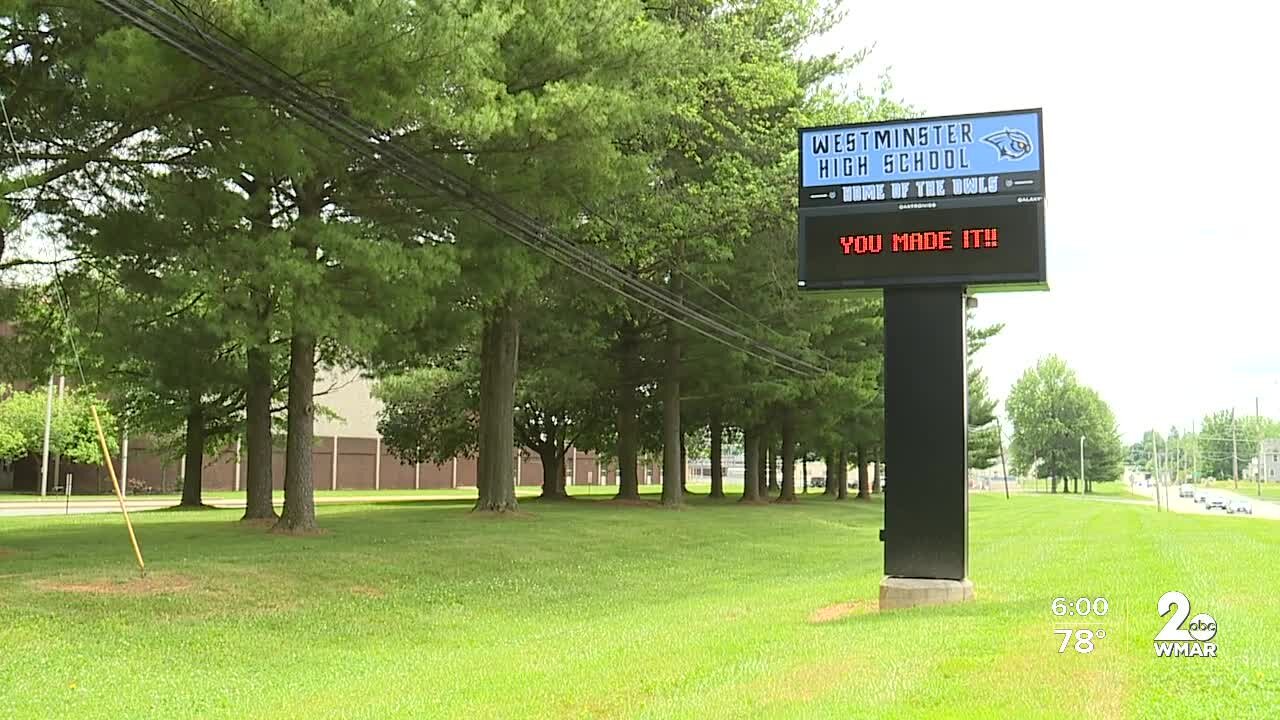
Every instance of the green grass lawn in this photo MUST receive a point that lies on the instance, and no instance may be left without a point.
(590, 610)
(1119, 490)
(1116, 490)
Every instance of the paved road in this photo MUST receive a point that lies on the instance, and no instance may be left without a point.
(1261, 508)
(110, 505)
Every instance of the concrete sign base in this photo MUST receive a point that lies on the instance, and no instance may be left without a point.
(897, 593)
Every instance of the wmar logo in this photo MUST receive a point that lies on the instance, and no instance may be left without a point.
(1011, 144)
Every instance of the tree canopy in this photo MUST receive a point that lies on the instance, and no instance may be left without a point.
(1051, 412)
(71, 431)
(219, 248)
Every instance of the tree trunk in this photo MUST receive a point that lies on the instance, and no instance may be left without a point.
(864, 477)
(194, 460)
(562, 475)
(628, 421)
(672, 494)
(553, 486)
(1053, 485)
(762, 466)
(771, 465)
(684, 468)
(499, 353)
(257, 484)
(804, 468)
(875, 479)
(299, 513)
(788, 461)
(628, 444)
(751, 465)
(829, 488)
(842, 462)
(717, 451)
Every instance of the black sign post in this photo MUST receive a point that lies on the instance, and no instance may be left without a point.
(926, 530)
(928, 211)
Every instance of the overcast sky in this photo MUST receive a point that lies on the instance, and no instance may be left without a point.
(1164, 296)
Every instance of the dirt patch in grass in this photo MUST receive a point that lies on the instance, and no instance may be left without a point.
(367, 591)
(149, 585)
(831, 613)
(7, 552)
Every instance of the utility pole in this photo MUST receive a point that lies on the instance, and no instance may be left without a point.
(1083, 479)
(1155, 467)
(1262, 459)
(44, 456)
(1004, 469)
(1177, 463)
(124, 460)
(57, 459)
(1235, 457)
(1195, 453)
(1168, 473)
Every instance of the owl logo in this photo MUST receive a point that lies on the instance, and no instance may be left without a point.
(1010, 144)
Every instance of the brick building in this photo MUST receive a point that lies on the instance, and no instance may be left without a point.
(348, 455)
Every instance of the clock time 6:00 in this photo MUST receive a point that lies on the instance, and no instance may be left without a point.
(1081, 606)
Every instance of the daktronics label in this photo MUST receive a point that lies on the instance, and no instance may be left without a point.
(953, 200)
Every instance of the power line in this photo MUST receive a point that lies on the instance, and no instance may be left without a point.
(762, 324)
(261, 77)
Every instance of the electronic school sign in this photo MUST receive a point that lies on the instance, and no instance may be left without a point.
(953, 200)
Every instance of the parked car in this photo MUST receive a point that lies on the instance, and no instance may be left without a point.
(1239, 505)
(1215, 501)
(1186, 490)
(1200, 496)
(818, 481)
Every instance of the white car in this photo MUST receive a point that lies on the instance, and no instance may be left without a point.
(1215, 501)
(1239, 505)
(1200, 495)
(1186, 490)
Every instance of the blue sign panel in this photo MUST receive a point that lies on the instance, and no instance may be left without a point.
(953, 200)
(920, 149)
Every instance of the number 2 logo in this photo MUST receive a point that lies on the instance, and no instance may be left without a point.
(1203, 626)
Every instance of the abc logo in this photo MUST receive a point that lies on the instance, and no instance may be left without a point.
(1203, 627)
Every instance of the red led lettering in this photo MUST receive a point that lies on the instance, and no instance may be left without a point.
(936, 240)
(861, 244)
